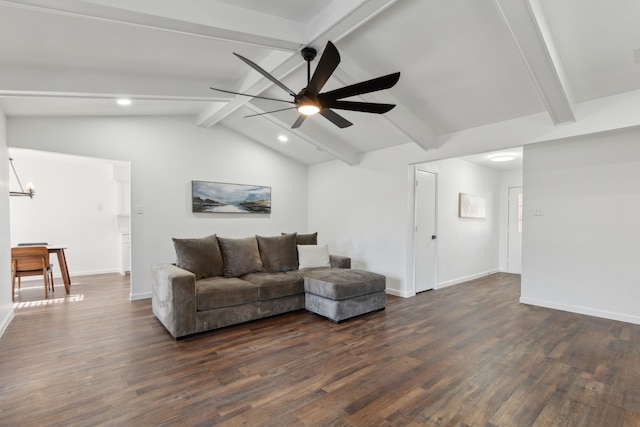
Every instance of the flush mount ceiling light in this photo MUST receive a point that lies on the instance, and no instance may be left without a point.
(503, 157)
(282, 138)
(124, 101)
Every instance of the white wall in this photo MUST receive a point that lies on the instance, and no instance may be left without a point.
(6, 307)
(366, 212)
(582, 254)
(466, 248)
(361, 212)
(74, 205)
(508, 179)
(166, 154)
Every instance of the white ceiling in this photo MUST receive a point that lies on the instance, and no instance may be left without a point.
(464, 64)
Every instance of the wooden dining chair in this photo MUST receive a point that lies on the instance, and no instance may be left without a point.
(31, 261)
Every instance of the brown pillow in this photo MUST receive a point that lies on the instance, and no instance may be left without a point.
(240, 256)
(278, 253)
(305, 239)
(201, 256)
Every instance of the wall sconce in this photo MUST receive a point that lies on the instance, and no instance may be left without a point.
(30, 188)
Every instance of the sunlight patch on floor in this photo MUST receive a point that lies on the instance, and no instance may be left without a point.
(53, 301)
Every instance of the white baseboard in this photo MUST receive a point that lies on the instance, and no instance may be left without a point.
(141, 295)
(91, 272)
(403, 294)
(6, 320)
(622, 317)
(466, 278)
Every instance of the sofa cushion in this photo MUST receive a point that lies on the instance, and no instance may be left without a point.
(278, 253)
(240, 256)
(218, 292)
(340, 283)
(200, 256)
(275, 285)
(305, 239)
(313, 256)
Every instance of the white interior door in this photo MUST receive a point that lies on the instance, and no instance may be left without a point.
(514, 231)
(425, 231)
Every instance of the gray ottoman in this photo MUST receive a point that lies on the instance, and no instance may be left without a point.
(340, 294)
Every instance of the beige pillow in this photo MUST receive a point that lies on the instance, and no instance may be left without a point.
(240, 256)
(200, 256)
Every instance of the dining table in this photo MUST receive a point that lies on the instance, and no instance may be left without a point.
(62, 263)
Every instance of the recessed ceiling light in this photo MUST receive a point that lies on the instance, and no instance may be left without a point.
(282, 138)
(124, 101)
(504, 157)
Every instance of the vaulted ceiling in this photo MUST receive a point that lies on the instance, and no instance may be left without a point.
(526, 69)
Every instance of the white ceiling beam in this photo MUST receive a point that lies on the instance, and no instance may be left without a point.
(331, 16)
(521, 21)
(336, 148)
(401, 117)
(38, 82)
(214, 14)
(224, 23)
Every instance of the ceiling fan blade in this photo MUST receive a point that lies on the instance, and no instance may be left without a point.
(269, 112)
(298, 121)
(364, 107)
(335, 118)
(253, 96)
(373, 85)
(266, 74)
(326, 66)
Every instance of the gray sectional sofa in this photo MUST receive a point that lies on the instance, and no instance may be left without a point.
(218, 282)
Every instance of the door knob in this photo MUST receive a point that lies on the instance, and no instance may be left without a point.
(433, 237)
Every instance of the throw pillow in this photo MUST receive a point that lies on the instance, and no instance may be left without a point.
(240, 256)
(305, 239)
(312, 256)
(201, 256)
(278, 253)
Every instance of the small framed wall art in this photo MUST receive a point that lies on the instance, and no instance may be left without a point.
(220, 197)
(470, 206)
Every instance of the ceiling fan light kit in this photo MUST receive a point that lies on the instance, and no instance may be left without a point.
(308, 109)
(310, 100)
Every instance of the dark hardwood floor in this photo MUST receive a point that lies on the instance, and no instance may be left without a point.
(467, 355)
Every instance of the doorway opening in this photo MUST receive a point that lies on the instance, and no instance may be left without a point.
(464, 248)
(80, 203)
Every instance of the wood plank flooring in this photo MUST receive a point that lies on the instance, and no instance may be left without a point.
(467, 355)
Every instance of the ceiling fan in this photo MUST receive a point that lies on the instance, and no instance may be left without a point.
(310, 101)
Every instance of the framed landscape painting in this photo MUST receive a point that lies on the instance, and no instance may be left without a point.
(219, 197)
